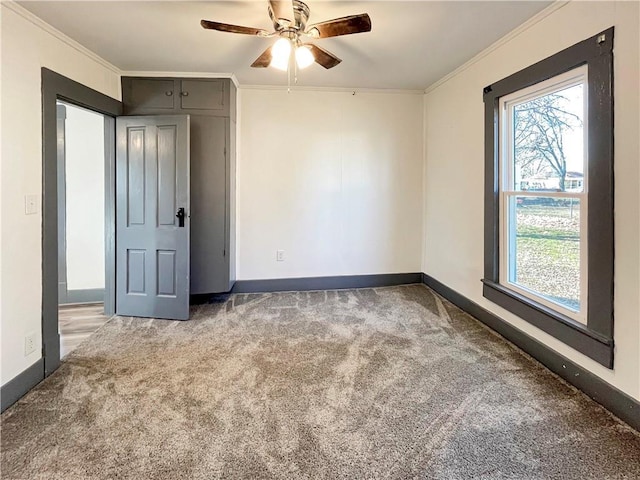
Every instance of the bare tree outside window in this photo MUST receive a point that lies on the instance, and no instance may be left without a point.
(541, 126)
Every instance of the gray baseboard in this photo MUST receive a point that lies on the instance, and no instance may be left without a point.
(89, 295)
(619, 403)
(325, 283)
(16, 388)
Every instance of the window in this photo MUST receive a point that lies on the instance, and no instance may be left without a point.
(549, 195)
(544, 223)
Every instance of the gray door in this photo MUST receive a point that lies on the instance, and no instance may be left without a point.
(152, 216)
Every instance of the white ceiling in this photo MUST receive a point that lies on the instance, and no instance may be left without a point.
(412, 44)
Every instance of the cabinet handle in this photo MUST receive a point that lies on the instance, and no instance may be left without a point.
(184, 94)
(168, 93)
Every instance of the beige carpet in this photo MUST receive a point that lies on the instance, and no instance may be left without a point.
(373, 383)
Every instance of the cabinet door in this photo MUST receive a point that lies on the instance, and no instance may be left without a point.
(209, 259)
(204, 95)
(150, 93)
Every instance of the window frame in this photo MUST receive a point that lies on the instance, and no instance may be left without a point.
(593, 334)
(576, 76)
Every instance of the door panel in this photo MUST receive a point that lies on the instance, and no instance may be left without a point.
(167, 272)
(136, 271)
(135, 165)
(167, 136)
(152, 249)
(209, 267)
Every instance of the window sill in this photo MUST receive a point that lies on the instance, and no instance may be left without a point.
(569, 331)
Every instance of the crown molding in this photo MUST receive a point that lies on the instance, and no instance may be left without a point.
(352, 91)
(38, 22)
(541, 15)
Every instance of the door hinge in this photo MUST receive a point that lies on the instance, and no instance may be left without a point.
(224, 253)
(225, 152)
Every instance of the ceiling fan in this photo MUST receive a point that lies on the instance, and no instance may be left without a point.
(289, 19)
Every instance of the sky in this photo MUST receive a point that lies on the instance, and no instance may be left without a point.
(574, 140)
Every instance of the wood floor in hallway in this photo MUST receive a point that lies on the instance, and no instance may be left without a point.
(77, 323)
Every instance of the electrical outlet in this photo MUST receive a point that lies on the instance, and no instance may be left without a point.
(280, 255)
(30, 204)
(30, 343)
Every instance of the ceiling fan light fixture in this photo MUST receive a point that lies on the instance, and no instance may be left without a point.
(281, 53)
(304, 56)
(289, 18)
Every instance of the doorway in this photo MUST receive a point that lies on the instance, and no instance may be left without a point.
(152, 188)
(59, 89)
(81, 224)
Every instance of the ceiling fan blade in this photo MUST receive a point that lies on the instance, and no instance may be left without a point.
(283, 12)
(226, 27)
(326, 59)
(341, 26)
(263, 60)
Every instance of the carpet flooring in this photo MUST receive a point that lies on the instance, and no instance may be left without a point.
(372, 383)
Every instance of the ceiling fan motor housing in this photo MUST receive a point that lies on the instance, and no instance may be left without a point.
(301, 14)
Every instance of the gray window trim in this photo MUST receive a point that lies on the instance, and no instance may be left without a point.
(596, 338)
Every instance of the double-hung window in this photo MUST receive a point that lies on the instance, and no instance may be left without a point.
(544, 222)
(549, 195)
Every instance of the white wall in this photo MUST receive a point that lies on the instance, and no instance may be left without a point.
(333, 179)
(453, 247)
(25, 49)
(84, 176)
(336, 180)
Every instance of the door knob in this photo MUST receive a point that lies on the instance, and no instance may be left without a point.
(180, 216)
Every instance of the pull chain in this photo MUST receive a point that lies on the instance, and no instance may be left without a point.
(289, 77)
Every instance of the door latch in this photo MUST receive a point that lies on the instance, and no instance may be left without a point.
(180, 216)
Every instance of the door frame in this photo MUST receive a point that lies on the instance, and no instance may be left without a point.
(61, 133)
(58, 87)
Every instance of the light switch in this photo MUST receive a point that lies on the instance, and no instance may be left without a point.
(30, 204)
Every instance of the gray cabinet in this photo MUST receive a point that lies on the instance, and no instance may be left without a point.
(208, 96)
(211, 105)
(150, 93)
(204, 95)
